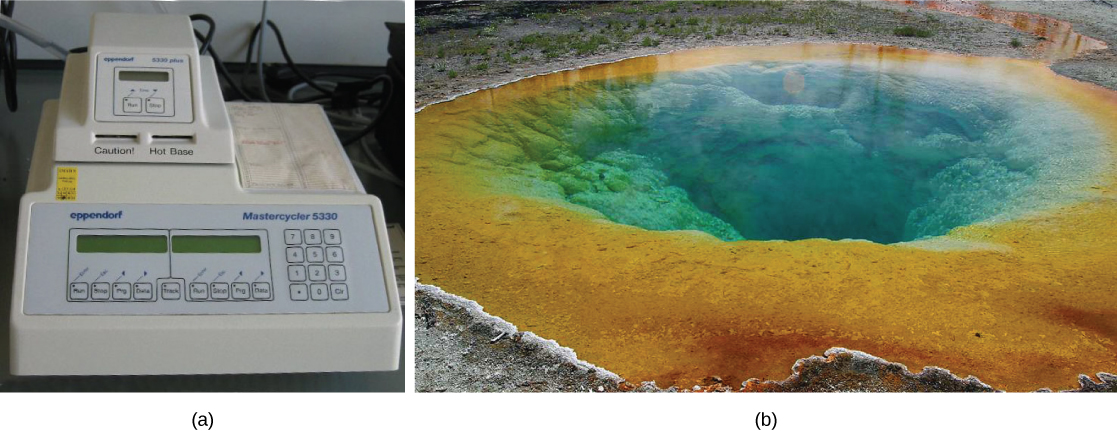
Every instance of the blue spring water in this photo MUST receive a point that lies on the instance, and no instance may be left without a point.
(765, 151)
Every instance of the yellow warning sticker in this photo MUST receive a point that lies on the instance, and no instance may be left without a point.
(67, 189)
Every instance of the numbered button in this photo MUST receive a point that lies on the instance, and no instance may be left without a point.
(298, 292)
(339, 291)
(121, 291)
(293, 236)
(101, 291)
(313, 236)
(261, 290)
(296, 273)
(314, 254)
(294, 255)
(79, 291)
(337, 273)
(317, 273)
(332, 236)
(219, 290)
(319, 292)
(242, 290)
(143, 292)
(334, 254)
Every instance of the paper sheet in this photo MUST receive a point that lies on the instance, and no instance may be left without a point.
(284, 146)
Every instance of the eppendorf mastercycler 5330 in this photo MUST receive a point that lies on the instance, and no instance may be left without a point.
(139, 251)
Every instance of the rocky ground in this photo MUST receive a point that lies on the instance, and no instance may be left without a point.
(466, 47)
(1091, 18)
(460, 348)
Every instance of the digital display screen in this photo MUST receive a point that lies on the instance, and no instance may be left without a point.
(215, 244)
(122, 244)
(144, 76)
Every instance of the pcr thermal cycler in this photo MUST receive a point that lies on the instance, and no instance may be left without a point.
(140, 252)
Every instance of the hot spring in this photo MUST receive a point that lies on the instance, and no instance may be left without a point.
(628, 211)
(766, 150)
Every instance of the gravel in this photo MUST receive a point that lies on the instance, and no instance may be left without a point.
(459, 347)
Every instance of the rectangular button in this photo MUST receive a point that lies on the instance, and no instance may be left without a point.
(332, 236)
(219, 290)
(121, 291)
(339, 292)
(154, 105)
(132, 105)
(298, 292)
(101, 291)
(296, 273)
(294, 255)
(314, 254)
(79, 291)
(242, 290)
(319, 292)
(143, 292)
(293, 236)
(171, 289)
(261, 290)
(198, 292)
(334, 254)
(312, 236)
(317, 272)
(337, 273)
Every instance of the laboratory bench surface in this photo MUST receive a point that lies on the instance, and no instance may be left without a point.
(17, 140)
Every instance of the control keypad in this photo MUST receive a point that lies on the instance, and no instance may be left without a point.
(315, 258)
(315, 272)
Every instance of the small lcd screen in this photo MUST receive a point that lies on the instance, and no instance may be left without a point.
(215, 244)
(122, 244)
(144, 76)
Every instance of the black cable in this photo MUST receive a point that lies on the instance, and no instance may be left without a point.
(286, 56)
(8, 57)
(379, 114)
(221, 70)
(371, 97)
(343, 75)
(206, 47)
(209, 34)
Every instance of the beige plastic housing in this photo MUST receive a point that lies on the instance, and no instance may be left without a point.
(188, 344)
(190, 125)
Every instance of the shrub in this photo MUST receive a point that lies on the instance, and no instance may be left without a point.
(909, 31)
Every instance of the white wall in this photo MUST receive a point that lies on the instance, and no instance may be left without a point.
(316, 32)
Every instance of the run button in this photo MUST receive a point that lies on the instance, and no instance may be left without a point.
(132, 105)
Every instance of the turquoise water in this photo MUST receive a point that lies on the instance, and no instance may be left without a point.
(793, 151)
